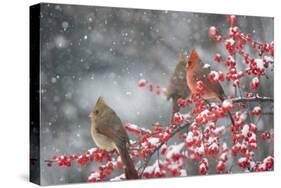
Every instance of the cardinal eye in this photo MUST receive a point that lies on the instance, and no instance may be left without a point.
(96, 112)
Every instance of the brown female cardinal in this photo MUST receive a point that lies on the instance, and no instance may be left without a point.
(196, 71)
(109, 133)
(177, 86)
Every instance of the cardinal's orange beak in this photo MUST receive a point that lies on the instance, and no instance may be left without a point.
(91, 114)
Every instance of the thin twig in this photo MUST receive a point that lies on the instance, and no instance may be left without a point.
(268, 113)
(176, 130)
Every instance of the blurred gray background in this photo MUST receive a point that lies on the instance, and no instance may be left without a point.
(88, 52)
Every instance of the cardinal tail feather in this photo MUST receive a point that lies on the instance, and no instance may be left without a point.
(231, 118)
(130, 170)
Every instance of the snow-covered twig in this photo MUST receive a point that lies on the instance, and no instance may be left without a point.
(252, 99)
(175, 131)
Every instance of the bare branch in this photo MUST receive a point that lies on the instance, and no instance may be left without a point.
(252, 99)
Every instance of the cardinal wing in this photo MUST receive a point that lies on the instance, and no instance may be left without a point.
(112, 127)
(203, 74)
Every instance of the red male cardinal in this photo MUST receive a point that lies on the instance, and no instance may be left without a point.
(196, 71)
(109, 133)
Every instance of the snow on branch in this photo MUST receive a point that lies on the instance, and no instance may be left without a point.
(252, 99)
